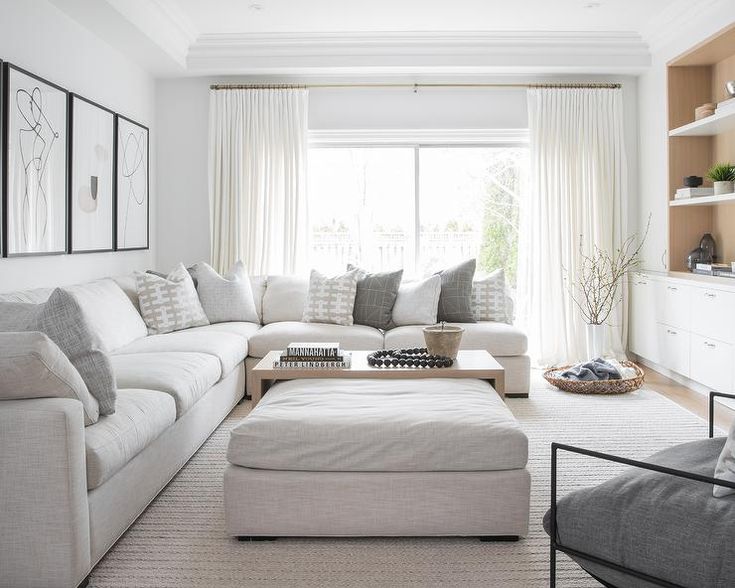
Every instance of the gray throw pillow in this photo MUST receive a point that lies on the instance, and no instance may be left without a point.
(455, 299)
(62, 319)
(33, 366)
(375, 297)
(225, 298)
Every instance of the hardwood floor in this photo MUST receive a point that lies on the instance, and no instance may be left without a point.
(691, 400)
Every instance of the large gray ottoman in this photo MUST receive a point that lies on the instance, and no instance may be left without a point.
(338, 457)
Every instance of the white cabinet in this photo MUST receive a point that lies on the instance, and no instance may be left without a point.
(675, 304)
(713, 314)
(711, 363)
(673, 344)
(643, 336)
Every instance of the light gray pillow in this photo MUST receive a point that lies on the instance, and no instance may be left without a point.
(225, 298)
(725, 468)
(62, 319)
(331, 300)
(171, 303)
(375, 297)
(33, 366)
(488, 298)
(417, 302)
(455, 300)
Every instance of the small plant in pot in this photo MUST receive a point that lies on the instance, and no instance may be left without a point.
(722, 176)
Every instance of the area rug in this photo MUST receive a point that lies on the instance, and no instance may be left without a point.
(179, 540)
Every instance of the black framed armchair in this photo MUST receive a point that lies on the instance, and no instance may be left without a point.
(655, 524)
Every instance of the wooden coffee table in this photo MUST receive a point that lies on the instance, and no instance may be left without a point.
(475, 364)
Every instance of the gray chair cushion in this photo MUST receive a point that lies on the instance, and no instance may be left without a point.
(62, 319)
(667, 527)
(375, 297)
(455, 299)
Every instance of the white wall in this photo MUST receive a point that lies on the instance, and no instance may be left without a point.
(653, 125)
(36, 36)
(182, 111)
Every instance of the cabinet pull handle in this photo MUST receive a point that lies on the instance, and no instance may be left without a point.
(672, 288)
(663, 260)
(710, 295)
(670, 332)
(710, 345)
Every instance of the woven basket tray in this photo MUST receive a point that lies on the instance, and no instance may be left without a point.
(595, 387)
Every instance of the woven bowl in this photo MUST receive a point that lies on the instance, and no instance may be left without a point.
(595, 387)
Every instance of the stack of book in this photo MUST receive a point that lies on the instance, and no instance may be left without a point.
(684, 193)
(313, 356)
(722, 270)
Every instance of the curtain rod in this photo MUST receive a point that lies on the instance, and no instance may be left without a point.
(405, 85)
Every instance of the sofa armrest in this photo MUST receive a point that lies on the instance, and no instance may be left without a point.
(44, 515)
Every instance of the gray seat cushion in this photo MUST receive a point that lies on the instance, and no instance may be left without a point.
(185, 376)
(276, 336)
(370, 425)
(229, 348)
(667, 527)
(141, 416)
(498, 339)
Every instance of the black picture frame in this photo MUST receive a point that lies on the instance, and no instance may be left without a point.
(7, 70)
(70, 175)
(121, 175)
(3, 151)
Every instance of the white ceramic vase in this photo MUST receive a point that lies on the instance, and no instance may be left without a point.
(595, 341)
(723, 188)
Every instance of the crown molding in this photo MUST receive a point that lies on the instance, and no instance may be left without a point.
(344, 137)
(471, 52)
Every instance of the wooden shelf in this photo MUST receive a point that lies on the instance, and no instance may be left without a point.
(707, 127)
(703, 200)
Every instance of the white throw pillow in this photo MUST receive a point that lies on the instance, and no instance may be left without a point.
(417, 302)
(488, 298)
(225, 298)
(331, 300)
(171, 303)
(725, 468)
(33, 366)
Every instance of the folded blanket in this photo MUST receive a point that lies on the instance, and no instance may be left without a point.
(590, 371)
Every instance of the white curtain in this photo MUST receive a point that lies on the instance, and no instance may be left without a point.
(257, 178)
(578, 186)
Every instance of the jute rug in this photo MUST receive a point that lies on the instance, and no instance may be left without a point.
(180, 541)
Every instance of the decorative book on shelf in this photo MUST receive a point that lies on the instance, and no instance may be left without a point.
(321, 350)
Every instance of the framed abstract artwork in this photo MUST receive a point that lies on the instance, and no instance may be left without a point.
(92, 177)
(35, 151)
(132, 201)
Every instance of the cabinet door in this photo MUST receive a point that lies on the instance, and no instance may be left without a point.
(712, 363)
(643, 338)
(713, 314)
(675, 304)
(673, 344)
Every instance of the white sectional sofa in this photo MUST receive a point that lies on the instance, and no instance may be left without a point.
(68, 492)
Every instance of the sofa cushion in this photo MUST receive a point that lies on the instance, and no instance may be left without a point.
(667, 527)
(417, 302)
(258, 285)
(141, 416)
(284, 298)
(276, 336)
(244, 330)
(230, 349)
(331, 299)
(33, 366)
(498, 339)
(489, 300)
(185, 376)
(227, 297)
(455, 300)
(436, 424)
(375, 297)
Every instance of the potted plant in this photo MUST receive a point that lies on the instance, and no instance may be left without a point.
(595, 287)
(722, 176)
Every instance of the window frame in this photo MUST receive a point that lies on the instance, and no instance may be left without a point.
(417, 139)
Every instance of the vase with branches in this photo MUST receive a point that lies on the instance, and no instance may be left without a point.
(596, 286)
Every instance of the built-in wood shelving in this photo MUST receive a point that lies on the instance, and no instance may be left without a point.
(707, 127)
(703, 200)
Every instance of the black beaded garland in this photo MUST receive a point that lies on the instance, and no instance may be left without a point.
(415, 357)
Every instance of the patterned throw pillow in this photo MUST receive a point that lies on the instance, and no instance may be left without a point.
(171, 303)
(455, 300)
(331, 300)
(488, 298)
(376, 295)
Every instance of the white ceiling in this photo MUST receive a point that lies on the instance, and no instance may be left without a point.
(340, 16)
(381, 37)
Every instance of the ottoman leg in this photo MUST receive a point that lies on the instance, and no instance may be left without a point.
(493, 538)
(258, 538)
